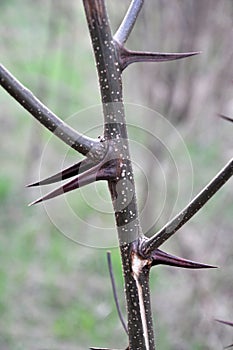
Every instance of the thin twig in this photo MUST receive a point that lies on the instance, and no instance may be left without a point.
(128, 22)
(115, 292)
(90, 147)
(190, 210)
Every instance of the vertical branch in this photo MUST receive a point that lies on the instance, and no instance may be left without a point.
(122, 188)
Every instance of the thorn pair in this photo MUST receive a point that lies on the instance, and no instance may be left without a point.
(87, 172)
(228, 324)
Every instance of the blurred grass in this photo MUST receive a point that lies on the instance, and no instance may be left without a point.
(55, 294)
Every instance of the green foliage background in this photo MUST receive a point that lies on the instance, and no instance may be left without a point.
(55, 293)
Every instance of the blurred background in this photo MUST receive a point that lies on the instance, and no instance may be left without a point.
(55, 291)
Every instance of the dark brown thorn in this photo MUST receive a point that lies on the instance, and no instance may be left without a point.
(73, 170)
(127, 56)
(163, 258)
(228, 324)
(103, 349)
(106, 172)
(225, 117)
(225, 322)
(115, 292)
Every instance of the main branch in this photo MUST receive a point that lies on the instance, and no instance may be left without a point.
(122, 189)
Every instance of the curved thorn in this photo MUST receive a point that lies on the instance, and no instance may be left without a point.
(106, 172)
(225, 117)
(73, 170)
(163, 258)
(127, 56)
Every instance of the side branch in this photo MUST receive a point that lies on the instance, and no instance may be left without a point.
(128, 22)
(90, 147)
(190, 210)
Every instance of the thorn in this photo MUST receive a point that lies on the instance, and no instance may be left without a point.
(103, 349)
(100, 349)
(127, 56)
(228, 324)
(96, 173)
(225, 117)
(73, 170)
(163, 258)
(225, 322)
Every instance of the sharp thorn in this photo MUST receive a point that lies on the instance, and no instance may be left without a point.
(128, 56)
(73, 170)
(225, 322)
(228, 324)
(226, 118)
(96, 173)
(70, 186)
(103, 349)
(163, 258)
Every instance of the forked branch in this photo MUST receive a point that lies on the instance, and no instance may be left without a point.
(115, 166)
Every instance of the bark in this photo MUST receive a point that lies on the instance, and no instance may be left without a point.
(109, 159)
(122, 189)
